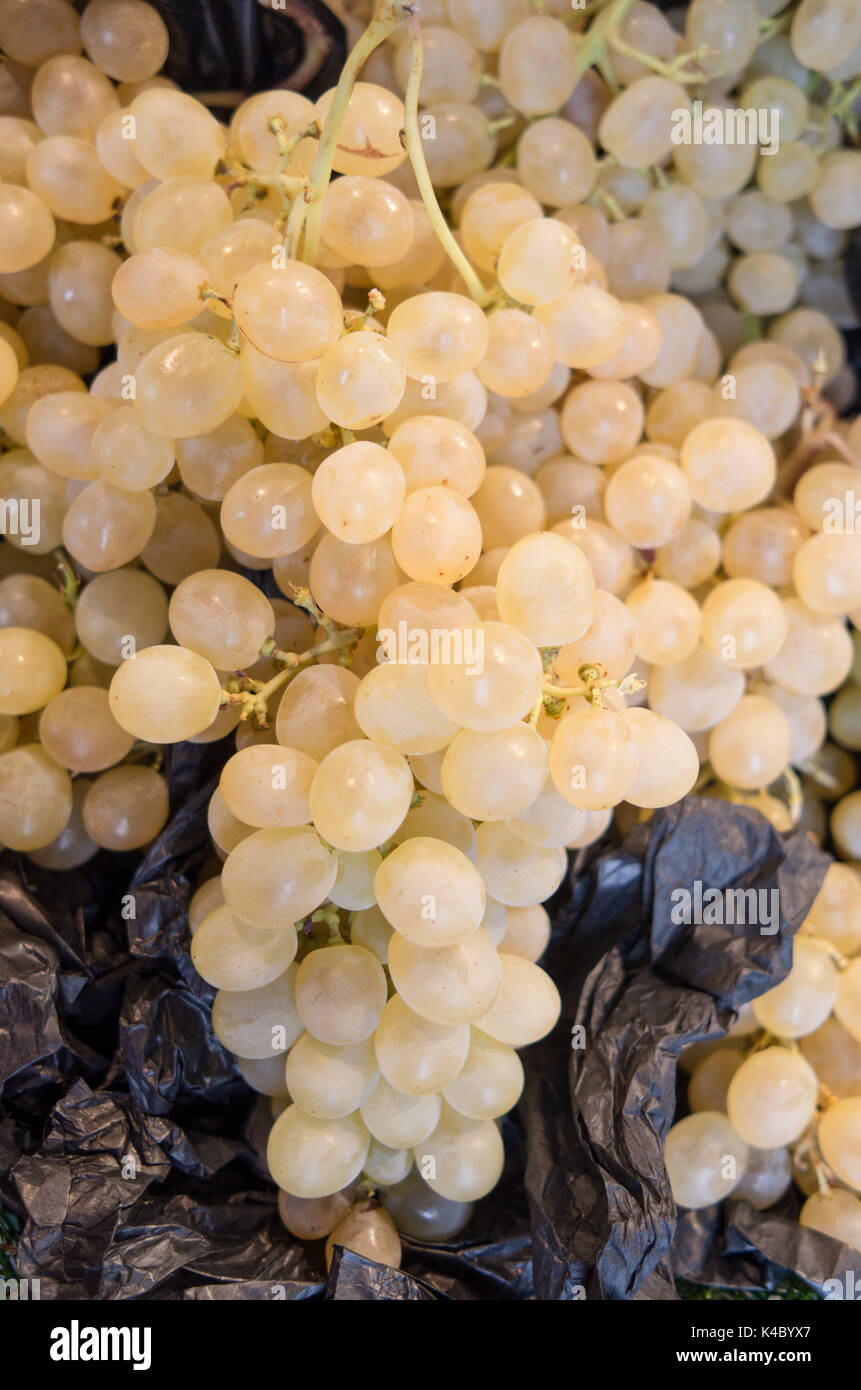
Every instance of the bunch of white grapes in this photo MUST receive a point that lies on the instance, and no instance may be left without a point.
(528, 411)
(778, 1100)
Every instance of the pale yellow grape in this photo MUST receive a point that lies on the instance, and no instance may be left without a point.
(424, 259)
(637, 125)
(266, 786)
(367, 1229)
(28, 601)
(648, 501)
(126, 807)
(675, 411)
(437, 535)
(638, 268)
(485, 25)
(762, 545)
(824, 31)
(803, 1001)
(730, 466)
(705, 1158)
(806, 716)
(537, 65)
(681, 218)
(526, 1007)
(283, 394)
(667, 766)
(766, 1178)
(416, 1056)
(117, 154)
(175, 135)
(587, 326)
(550, 821)
(226, 830)
(66, 174)
(367, 221)
(451, 68)
(835, 1057)
(610, 557)
(556, 162)
(73, 846)
(316, 712)
(750, 747)
(340, 994)
(32, 33)
(836, 198)
(464, 399)
(527, 932)
(235, 957)
(394, 705)
(437, 452)
(70, 97)
(840, 1139)
(187, 385)
(35, 797)
(277, 876)
(434, 817)
(554, 386)
(593, 759)
(430, 892)
(516, 873)
(28, 229)
(32, 670)
(126, 39)
(159, 288)
(447, 985)
(78, 731)
(509, 505)
(681, 329)
(360, 380)
(258, 143)
(609, 642)
(668, 621)
(268, 511)
(237, 248)
(823, 494)
(290, 312)
(79, 285)
(126, 454)
(806, 332)
(490, 1082)
(847, 1009)
(816, 656)
(519, 356)
(536, 261)
(60, 431)
(845, 830)
(210, 463)
(710, 1078)
(349, 582)
(640, 349)
(222, 616)
(438, 335)
(836, 1213)
(765, 395)
(602, 421)
(467, 1156)
(691, 557)
(721, 169)
(398, 1120)
(506, 687)
(8, 370)
(165, 694)
(489, 776)
(489, 215)
(368, 139)
(121, 604)
(205, 900)
(258, 1022)
(566, 484)
(311, 1157)
(354, 886)
(386, 1167)
(546, 590)
(744, 623)
(826, 572)
(835, 912)
(331, 1082)
(697, 692)
(360, 794)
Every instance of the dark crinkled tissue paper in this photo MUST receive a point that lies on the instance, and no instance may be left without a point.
(130, 1147)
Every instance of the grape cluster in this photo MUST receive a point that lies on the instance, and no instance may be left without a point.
(465, 449)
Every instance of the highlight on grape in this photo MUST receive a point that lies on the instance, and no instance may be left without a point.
(468, 454)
